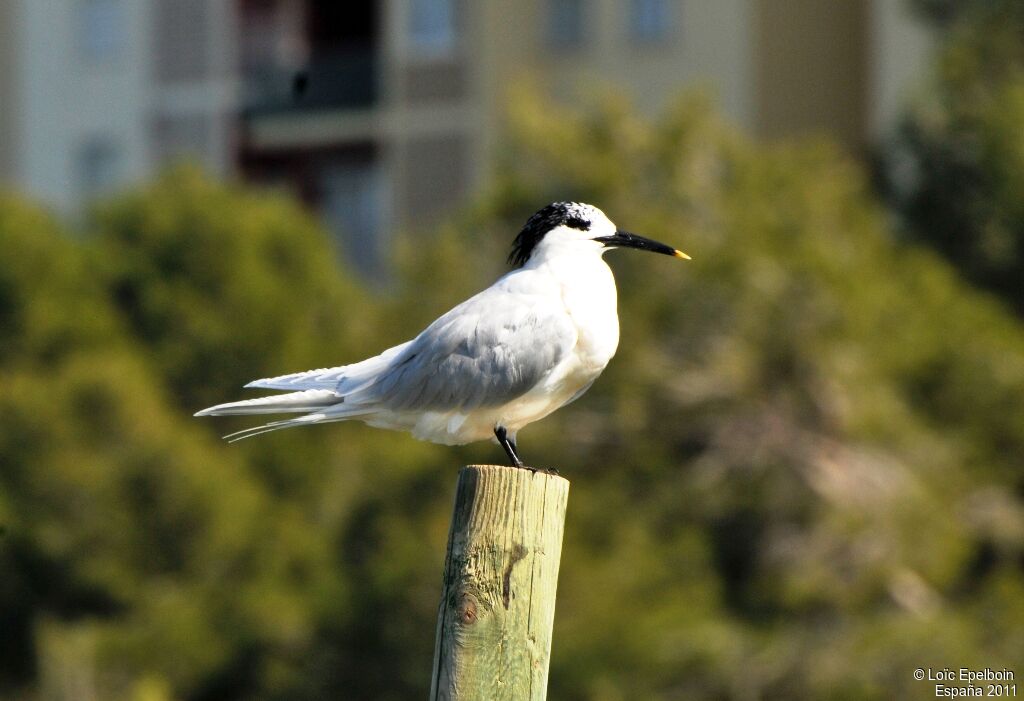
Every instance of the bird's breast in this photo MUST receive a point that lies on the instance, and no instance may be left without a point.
(590, 299)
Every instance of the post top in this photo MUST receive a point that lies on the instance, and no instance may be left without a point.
(508, 471)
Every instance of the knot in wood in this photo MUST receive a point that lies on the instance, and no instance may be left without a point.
(466, 609)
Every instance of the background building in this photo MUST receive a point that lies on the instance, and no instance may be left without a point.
(122, 88)
(399, 101)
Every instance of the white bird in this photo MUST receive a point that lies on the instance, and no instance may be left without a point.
(530, 343)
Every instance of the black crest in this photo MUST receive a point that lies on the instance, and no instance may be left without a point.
(571, 214)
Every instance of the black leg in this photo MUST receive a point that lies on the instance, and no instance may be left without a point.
(509, 446)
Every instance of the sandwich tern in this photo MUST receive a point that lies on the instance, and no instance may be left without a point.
(530, 343)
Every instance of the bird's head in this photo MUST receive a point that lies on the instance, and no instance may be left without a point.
(576, 226)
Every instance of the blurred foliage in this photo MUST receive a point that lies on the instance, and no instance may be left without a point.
(956, 170)
(800, 478)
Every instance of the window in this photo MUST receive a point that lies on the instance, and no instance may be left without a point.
(432, 27)
(565, 23)
(98, 167)
(650, 20)
(101, 29)
(353, 203)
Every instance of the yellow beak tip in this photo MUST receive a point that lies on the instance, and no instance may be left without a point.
(680, 254)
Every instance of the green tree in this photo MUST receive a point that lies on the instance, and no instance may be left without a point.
(955, 171)
(184, 255)
(800, 478)
(802, 471)
(136, 551)
(219, 285)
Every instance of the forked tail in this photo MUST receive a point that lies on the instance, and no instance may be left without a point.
(323, 406)
(298, 402)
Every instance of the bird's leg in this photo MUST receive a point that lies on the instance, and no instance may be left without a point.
(509, 444)
(515, 452)
(510, 447)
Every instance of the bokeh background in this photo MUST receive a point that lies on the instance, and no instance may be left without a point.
(802, 477)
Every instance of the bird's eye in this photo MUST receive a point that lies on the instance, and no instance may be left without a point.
(577, 223)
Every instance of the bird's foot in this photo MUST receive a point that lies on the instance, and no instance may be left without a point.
(509, 445)
(512, 451)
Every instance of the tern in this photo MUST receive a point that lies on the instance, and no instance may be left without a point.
(529, 344)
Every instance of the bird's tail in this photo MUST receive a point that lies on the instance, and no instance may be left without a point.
(298, 402)
(307, 420)
(322, 404)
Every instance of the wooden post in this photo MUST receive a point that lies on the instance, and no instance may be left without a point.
(498, 600)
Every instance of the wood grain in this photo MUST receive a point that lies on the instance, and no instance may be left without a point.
(501, 570)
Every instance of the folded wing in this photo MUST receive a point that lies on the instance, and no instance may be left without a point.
(487, 351)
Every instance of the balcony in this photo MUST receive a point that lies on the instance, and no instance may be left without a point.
(342, 79)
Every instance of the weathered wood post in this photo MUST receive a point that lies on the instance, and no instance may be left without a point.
(498, 600)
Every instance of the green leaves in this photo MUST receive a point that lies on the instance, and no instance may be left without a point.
(804, 462)
(955, 172)
(807, 398)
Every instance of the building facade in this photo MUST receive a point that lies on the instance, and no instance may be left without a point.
(384, 114)
(97, 93)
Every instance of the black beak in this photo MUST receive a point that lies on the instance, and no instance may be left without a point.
(624, 239)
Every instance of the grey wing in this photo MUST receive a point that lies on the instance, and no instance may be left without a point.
(485, 352)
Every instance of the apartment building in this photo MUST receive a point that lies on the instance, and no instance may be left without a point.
(383, 114)
(97, 93)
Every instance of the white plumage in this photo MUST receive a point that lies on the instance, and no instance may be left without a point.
(532, 342)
